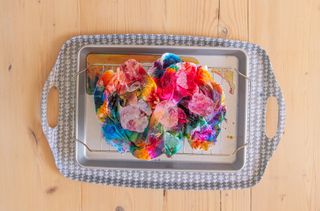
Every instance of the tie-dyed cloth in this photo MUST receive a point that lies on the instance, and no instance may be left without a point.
(152, 112)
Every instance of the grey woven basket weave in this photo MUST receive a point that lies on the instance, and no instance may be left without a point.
(258, 152)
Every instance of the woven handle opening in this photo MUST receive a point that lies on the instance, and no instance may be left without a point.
(53, 107)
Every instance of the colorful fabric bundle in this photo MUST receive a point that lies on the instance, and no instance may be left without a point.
(152, 112)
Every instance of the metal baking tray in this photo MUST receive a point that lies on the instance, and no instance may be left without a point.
(228, 154)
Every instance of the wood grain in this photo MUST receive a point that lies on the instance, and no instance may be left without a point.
(290, 32)
(117, 17)
(236, 200)
(102, 198)
(192, 200)
(32, 32)
(233, 24)
(192, 17)
(171, 17)
(233, 20)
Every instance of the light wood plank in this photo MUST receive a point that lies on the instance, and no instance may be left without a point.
(191, 17)
(192, 200)
(290, 31)
(31, 35)
(172, 17)
(233, 19)
(102, 198)
(233, 24)
(120, 17)
(236, 200)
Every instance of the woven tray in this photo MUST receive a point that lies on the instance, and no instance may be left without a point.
(258, 151)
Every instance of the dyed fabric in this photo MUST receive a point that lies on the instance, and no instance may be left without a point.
(151, 112)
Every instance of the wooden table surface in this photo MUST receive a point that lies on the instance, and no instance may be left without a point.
(31, 34)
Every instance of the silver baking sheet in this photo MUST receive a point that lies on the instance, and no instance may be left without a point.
(228, 154)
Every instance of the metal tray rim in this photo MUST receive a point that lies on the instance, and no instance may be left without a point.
(77, 145)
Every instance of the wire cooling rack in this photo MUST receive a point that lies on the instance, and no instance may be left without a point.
(100, 146)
